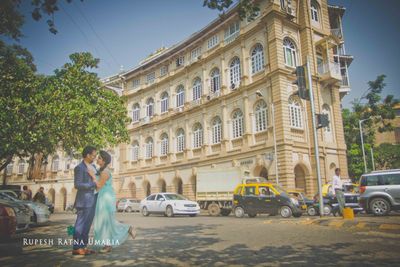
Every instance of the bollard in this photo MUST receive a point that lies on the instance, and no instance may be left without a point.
(348, 214)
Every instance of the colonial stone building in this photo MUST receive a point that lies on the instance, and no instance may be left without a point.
(218, 98)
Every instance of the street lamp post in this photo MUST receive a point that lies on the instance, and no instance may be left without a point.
(362, 143)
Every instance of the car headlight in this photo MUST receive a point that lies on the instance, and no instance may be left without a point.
(294, 201)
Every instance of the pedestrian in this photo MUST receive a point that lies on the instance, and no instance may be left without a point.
(26, 193)
(40, 196)
(338, 189)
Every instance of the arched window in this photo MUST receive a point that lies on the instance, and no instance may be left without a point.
(197, 135)
(134, 155)
(164, 102)
(326, 110)
(180, 96)
(55, 165)
(136, 112)
(150, 107)
(289, 52)
(10, 167)
(216, 130)
(197, 89)
(295, 115)
(237, 125)
(215, 80)
(180, 140)
(257, 59)
(261, 116)
(21, 166)
(164, 144)
(314, 11)
(234, 70)
(149, 148)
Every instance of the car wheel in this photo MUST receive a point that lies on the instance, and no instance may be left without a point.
(327, 209)
(285, 211)
(193, 215)
(128, 209)
(145, 212)
(252, 215)
(239, 212)
(225, 212)
(169, 212)
(312, 211)
(379, 206)
(214, 209)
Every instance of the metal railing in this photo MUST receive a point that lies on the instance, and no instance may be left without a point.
(331, 67)
(345, 81)
(231, 38)
(337, 33)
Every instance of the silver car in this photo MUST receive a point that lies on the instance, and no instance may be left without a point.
(128, 205)
(23, 213)
(380, 192)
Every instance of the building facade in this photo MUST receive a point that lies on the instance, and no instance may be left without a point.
(218, 98)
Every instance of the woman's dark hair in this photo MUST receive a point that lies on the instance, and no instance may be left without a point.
(107, 159)
(88, 150)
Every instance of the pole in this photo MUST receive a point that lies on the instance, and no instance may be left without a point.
(373, 160)
(275, 149)
(362, 145)
(316, 147)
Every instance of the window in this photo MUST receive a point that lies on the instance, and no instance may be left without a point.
(234, 69)
(180, 140)
(180, 61)
(314, 11)
(215, 81)
(213, 41)
(55, 166)
(196, 53)
(393, 179)
(164, 102)
(152, 197)
(180, 96)
(151, 77)
(136, 113)
(289, 52)
(237, 125)
(164, 144)
(261, 116)
(150, 107)
(197, 135)
(197, 90)
(257, 59)
(134, 151)
(21, 166)
(9, 169)
(232, 30)
(216, 130)
(295, 115)
(68, 162)
(149, 148)
(163, 70)
(135, 83)
(326, 110)
(250, 190)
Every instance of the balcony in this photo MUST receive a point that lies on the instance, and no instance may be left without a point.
(337, 33)
(213, 95)
(345, 81)
(231, 38)
(329, 72)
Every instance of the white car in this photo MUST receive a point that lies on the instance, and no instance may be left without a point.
(169, 204)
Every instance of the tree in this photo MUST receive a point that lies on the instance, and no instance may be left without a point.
(378, 115)
(388, 156)
(245, 8)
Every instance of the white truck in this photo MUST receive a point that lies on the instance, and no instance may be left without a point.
(214, 188)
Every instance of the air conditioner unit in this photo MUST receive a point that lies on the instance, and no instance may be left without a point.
(179, 109)
(146, 120)
(208, 97)
(290, 11)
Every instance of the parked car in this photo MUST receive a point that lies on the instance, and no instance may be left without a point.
(304, 202)
(41, 213)
(128, 205)
(257, 198)
(169, 204)
(49, 205)
(380, 192)
(8, 221)
(22, 213)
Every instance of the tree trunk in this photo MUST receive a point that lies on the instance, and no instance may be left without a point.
(4, 168)
(35, 163)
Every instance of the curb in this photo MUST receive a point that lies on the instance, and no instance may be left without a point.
(355, 224)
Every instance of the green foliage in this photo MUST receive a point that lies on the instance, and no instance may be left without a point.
(377, 115)
(245, 8)
(387, 156)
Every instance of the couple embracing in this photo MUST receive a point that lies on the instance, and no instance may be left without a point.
(95, 201)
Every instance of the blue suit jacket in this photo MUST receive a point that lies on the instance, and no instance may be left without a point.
(85, 197)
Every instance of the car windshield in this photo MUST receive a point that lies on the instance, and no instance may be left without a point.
(7, 197)
(174, 197)
(279, 189)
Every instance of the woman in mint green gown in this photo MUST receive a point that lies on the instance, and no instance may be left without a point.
(108, 232)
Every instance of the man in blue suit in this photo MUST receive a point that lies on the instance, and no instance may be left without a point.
(85, 201)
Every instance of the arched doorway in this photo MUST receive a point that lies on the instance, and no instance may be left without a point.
(162, 186)
(264, 173)
(332, 168)
(146, 188)
(178, 185)
(132, 189)
(63, 198)
(300, 178)
(52, 195)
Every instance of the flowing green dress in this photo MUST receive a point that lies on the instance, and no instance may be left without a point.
(107, 230)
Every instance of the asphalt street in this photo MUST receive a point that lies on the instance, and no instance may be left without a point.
(214, 241)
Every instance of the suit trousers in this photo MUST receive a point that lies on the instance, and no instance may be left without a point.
(83, 223)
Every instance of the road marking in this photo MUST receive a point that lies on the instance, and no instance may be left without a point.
(336, 224)
(361, 225)
(387, 226)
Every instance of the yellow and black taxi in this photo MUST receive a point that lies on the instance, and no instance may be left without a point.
(304, 202)
(264, 198)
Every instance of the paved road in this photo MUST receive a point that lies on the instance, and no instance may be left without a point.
(219, 241)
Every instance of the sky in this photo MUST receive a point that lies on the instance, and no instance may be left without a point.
(123, 32)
